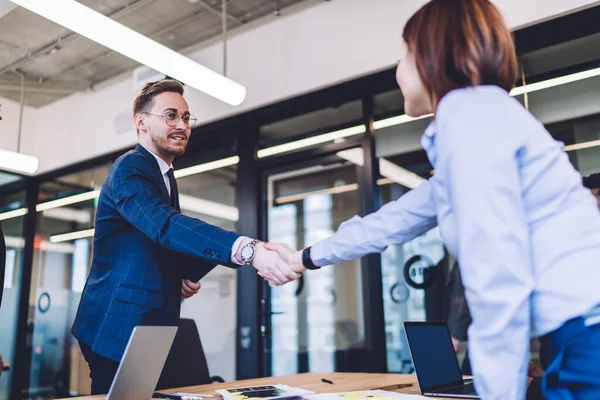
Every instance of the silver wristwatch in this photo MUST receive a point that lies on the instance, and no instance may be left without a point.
(248, 252)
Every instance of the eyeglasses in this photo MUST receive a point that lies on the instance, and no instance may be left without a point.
(172, 118)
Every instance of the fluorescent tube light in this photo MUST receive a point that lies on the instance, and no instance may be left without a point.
(69, 214)
(78, 198)
(207, 207)
(14, 242)
(399, 174)
(19, 243)
(65, 248)
(209, 166)
(72, 236)
(18, 162)
(333, 190)
(311, 141)
(397, 120)
(550, 83)
(583, 145)
(109, 33)
(13, 214)
(386, 168)
(529, 88)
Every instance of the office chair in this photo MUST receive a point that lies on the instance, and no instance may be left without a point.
(186, 364)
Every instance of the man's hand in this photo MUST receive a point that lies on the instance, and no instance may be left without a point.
(270, 265)
(533, 371)
(189, 288)
(456, 344)
(292, 257)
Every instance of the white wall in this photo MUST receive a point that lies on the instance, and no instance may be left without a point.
(9, 127)
(284, 57)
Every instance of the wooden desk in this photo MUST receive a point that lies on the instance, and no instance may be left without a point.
(342, 382)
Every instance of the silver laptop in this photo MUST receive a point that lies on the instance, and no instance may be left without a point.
(142, 363)
(435, 362)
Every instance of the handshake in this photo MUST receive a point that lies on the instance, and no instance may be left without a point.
(277, 263)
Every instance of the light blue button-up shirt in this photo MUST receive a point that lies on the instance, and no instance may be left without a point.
(512, 210)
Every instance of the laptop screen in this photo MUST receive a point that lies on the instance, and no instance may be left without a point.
(433, 355)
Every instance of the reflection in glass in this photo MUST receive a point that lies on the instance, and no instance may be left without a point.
(317, 323)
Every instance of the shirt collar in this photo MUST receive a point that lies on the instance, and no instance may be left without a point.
(428, 140)
(164, 167)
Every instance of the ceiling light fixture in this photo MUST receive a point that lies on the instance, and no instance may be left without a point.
(583, 145)
(311, 141)
(13, 214)
(550, 83)
(65, 201)
(18, 162)
(109, 33)
(517, 91)
(397, 120)
(386, 168)
(209, 166)
(210, 208)
(65, 237)
(332, 190)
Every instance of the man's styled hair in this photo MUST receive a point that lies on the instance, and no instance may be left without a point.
(145, 99)
(461, 43)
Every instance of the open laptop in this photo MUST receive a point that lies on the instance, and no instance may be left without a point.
(435, 362)
(142, 363)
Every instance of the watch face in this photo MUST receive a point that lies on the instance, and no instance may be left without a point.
(247, 252)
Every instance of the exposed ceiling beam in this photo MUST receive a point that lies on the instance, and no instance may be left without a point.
(129, 7)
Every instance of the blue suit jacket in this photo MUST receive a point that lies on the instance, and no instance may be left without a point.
(143, 247)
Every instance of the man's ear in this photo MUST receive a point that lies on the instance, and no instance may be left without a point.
(140, 124)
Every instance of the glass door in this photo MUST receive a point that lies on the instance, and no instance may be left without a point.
(316, 323)
(12, 215)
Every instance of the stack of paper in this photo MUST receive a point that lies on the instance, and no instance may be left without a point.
(269, 392)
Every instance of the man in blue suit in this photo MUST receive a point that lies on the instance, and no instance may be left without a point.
(147, 255)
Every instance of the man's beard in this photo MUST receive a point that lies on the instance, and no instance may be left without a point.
(166, 147)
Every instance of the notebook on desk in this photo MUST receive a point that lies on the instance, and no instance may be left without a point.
(435, 362)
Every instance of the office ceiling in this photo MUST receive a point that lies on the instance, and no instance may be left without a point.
(57, 62)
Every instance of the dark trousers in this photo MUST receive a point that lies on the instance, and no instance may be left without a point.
(466, 365)
(102, 370)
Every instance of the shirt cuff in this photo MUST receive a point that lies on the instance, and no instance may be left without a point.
(234, 249)
(318, 252)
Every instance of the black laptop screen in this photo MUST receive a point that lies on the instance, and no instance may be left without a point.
(433, 356)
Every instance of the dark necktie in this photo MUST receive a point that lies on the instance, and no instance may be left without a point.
(174, 191)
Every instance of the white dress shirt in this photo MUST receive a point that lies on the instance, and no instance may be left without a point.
(164, 169)
(512, 210)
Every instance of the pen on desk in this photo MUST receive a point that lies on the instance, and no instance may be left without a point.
(326, 381)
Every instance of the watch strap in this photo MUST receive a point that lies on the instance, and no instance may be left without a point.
(253, 244)
(307, 261)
